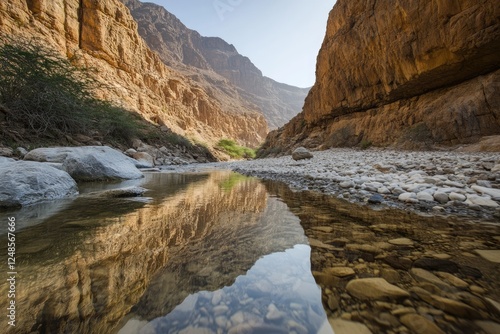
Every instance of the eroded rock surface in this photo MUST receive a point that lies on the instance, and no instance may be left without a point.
(103, 35)
(402, 72)
(28, 182)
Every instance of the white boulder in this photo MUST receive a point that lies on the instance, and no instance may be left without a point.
(89, 163)
(27, 182)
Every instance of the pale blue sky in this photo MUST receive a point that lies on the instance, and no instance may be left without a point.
(281, 37)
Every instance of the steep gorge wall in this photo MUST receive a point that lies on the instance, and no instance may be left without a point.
(103, 35)
(215, 64)
(402, 72)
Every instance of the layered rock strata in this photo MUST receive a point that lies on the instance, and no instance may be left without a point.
(103, 35)
(216, 65)
(402, 72)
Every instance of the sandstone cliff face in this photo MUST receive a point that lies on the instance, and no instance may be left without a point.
(403, 72)
(216, 65)
(103, 35)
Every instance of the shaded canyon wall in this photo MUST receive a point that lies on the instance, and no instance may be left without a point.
(103, 35)
(407, 73)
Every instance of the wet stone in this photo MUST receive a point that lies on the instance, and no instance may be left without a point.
(341, 326)
(340, 271)
(490, 255)
(436, 264)
(421, 275)
(401, 242)
(375, 288)
(398, 262)
(420, 325)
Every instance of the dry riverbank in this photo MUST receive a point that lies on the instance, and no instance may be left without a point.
(466, 184)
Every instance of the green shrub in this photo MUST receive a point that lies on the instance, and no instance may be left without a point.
(48, 94)
(234, 150)
(365, 144)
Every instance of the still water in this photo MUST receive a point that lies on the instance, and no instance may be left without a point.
(200, 253)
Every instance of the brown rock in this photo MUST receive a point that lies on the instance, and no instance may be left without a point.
(341, 326)
(375, 288)
(422, 275)
(301, 153)
(340, 271)
(409, 85)
(419, 324)
(104, 36)
(390, 275)
(453, 307)
(489, 327)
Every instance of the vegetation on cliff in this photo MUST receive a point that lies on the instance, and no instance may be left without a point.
(48, 96)
(234, 150)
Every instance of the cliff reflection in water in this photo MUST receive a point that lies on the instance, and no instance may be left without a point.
(85, 268)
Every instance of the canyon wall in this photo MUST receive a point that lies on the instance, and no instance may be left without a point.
(400, 72)
(216, 65)
(103, 35)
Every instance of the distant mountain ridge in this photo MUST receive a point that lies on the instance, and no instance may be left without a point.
(215, 64)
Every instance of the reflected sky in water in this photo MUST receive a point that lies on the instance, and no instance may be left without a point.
(277, 295)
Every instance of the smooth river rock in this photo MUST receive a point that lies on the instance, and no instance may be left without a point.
(420, 325)
(28, 182)
(301, 153)
(375, 288)
(89, 163)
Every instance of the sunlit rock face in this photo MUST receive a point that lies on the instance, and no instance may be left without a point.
(402, 72)
(103, 35)
(83, 269)
(216, 65)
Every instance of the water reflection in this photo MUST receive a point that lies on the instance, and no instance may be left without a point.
(277, 295)
(96, 263)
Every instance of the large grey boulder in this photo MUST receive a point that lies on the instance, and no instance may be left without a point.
(27, 182)
(89, 163)
(301, 153)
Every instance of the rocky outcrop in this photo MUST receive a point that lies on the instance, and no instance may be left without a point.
(103, 35)
(216, 65)
(28, 182)
(89, 163)
(402, 72)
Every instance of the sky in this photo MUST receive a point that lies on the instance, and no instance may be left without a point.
(281, 37)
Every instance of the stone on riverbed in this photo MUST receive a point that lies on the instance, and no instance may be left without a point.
(375, 288)
(301, 153)
(420, 325)
(119, 193)
(89, 163)
(27, 182)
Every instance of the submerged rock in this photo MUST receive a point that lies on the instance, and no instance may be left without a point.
(27, 182)
(89, 163)
(119, 193)
(374, 288)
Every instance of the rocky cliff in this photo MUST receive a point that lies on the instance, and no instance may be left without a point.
(409, 73)
(103, 35)
(216, 65)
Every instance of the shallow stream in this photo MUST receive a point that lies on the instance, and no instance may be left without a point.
(217, 252)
